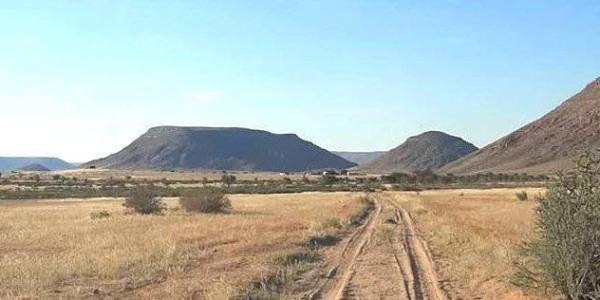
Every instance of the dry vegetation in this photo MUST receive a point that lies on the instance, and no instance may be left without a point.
(476, 237)
(56, 248)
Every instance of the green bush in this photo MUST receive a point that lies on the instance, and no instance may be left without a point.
(228, 179)
(522, 196)
(568, 248)
(205, 200)
(144, 201)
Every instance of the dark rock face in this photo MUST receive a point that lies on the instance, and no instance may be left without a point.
(544, 146)
(428, 151)
(208, 148)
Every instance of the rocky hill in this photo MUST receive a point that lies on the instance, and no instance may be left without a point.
(545, 146)
(208, 148)
(428, 151)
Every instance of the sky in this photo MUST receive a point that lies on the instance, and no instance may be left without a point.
(81, 79)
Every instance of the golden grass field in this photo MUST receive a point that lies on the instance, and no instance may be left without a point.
(475, 236)
(54, 249)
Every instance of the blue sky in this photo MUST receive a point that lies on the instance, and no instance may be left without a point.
(82, 79)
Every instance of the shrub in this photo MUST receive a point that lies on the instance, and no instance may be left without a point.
(205, 200)
(297, 257)
(99, 214)
(328, 179)
(144, 201)
(568, 249)
(522, 196)
(228, 179)
(321, 240)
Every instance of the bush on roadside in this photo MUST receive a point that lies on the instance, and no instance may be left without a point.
(522, 196)
(144, 201)
(567, 252)
(205, 200)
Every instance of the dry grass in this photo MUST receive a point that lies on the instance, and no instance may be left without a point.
(55, 249)
(475, 236)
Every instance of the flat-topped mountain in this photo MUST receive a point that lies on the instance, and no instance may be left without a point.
(15, 163)
(428, 151)
(545, 146)
(215, 148)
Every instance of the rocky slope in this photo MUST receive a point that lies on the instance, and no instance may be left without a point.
(544, 146)
(428, 151)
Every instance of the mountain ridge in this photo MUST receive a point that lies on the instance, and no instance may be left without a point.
(13, 163)
(221, 148)
(427, 151)
(543, 146)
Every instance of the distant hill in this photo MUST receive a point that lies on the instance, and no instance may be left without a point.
(15, 163)
(34, 168)
(208, 148)
(359, 158)
(545, 146)
(428, 151)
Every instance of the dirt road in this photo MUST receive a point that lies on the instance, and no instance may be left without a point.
(384, 259)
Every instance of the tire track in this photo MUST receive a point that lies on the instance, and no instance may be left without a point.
(339, 276)
(414, 276)
(425, 282)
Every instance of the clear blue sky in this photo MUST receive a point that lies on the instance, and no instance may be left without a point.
(82, 79)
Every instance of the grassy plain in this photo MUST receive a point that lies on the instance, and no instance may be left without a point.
(54, 249)
(476, 236)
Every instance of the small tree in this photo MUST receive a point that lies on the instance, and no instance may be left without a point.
(328, 179)
(205, 200)
(144, 201)
(568, 249)
(228, 179)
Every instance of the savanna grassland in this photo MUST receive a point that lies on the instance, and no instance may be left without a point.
(377, 241)
(476, 237)
(54, 248)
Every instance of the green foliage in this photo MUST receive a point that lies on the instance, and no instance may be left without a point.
(205, 200)
(568, 249)
(328, 179)
(144, 200)
(228, 179)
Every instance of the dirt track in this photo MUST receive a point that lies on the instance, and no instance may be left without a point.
(383, 259)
